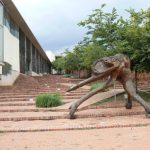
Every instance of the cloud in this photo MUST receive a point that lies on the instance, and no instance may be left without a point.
(50, 55)
(54, 22)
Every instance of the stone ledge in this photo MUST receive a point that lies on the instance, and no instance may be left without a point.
(88, 127)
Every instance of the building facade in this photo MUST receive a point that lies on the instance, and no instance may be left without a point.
(20, 52)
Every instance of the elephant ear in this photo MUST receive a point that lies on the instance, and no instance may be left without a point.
(100, 66)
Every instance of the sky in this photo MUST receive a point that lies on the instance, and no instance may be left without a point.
(54, 22)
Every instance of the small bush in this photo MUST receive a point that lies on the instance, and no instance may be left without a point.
(48, 100)
(95, 86)
(145, 95)
(67, 75)
(120, 97)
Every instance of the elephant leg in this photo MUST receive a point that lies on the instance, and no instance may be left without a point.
(129, 102)
(129, 88)
(76, 104)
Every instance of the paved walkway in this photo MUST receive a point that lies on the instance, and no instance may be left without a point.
(132, 138)
(21, 122)
(77, 124)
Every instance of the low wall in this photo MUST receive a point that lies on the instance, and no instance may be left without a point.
(9, 79)
(81, 74)
(143, 76)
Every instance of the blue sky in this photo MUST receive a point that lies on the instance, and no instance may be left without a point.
(54, 22)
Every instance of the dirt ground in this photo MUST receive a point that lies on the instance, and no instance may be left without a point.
(136, 138)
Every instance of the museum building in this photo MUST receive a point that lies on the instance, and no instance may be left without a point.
(20, 52)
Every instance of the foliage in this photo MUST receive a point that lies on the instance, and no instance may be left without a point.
(92, 52)
(120, 97)
(6, 69)
(145, 96)
(71, 61)
(67, 75)
(48, 100)
(95, 86)
(108, 34)
(58, 64)
(131, 36)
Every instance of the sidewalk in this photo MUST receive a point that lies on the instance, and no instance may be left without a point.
(131, 138)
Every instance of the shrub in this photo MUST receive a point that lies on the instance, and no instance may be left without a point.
(95, 86)
(145, 95)
(67, 75)
(48, 100)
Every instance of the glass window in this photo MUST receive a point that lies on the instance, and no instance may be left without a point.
(14, 29)
(6, 20)
(1, 32)
(10, 24)
(1, 43)
(1, 14)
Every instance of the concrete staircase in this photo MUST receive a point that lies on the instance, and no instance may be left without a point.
(21, 97)
(19, 114)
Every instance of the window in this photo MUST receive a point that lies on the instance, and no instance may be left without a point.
(1, 14)
(1, 32)
(6, 20)
(14, 29)
(10, 24)
(1, 44)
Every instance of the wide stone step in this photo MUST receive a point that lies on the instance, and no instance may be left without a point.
(31, 108)
(32, 90)
(20, 116)
(26, 93)
(17, 103)
(50, 115)
(17, 96)
(28, 106)
(11, 100)
(77, 124)
(10, 93)
(21, 95)
(16, 99)
(31, 98)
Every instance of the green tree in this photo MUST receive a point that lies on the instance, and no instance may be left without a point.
(116, 35)
(103, 28)
(108, 34)
(138, 39)
(92, 52)
(59, 65)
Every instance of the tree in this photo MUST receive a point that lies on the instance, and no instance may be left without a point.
(59, 64)
(116, 35)
(138, 39)
(92, 52)
(108, 34)
(103, 28)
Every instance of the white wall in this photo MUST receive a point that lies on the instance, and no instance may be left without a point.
(8, 80)
(11, 50)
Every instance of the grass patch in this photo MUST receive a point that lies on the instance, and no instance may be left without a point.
(1, 132)
(145, 96)
(48, 100)
(120, 97)
(67, 75)
(94, 86)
